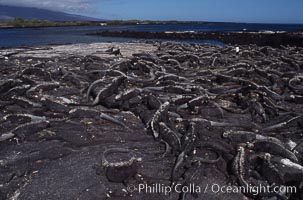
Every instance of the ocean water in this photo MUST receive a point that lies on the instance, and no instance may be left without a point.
(67, 35)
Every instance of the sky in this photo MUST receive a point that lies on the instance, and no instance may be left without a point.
(258, 11)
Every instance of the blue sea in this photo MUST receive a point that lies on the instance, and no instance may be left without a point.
(68, 35)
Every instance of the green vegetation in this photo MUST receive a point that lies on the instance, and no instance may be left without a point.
(122, 22)
(134, 22)
(19, 22)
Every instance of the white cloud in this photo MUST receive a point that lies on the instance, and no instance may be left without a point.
(57, 5)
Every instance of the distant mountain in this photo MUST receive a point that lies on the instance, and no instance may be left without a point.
(11, 12)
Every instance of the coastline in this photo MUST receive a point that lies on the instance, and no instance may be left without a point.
(269, 38)
(47, 26)
(213, 33)
(37, 27)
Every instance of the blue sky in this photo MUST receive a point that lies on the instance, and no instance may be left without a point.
(277, 11)
(266, 11)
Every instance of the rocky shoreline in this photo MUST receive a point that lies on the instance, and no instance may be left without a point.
(85, 121)
(274, 39)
